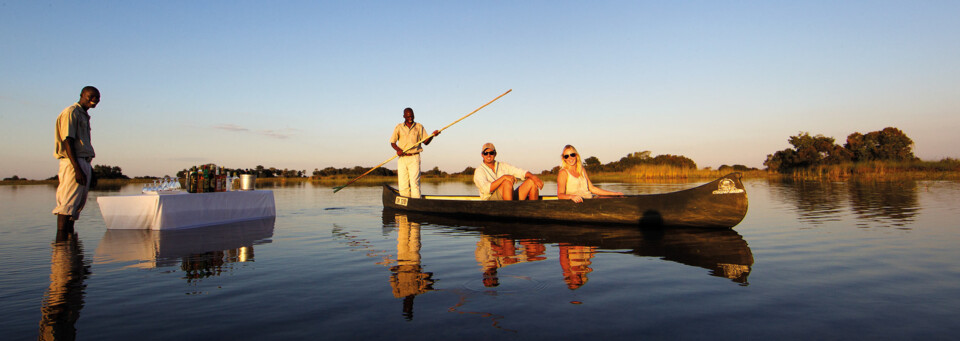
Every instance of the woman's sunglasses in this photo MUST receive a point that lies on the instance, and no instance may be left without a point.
(566, 156)
(493, 152)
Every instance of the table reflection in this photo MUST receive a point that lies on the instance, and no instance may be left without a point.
(723, 252)
(200, 252)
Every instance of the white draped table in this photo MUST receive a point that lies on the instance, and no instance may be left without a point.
(184, 210)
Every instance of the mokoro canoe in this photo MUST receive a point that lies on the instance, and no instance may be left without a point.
(721, 203)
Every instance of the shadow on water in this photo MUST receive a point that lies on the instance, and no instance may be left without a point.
(724, 252)
(200, 252)
(64, 297)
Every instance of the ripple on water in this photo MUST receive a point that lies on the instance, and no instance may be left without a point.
(505, 284)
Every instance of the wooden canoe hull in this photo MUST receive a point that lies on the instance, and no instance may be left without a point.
(721, 203)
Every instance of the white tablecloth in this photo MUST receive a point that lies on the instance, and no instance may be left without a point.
(178, 211)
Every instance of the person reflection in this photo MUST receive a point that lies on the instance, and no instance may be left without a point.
(64, 298)
(407, 277)
(575, 262)
(493, 253)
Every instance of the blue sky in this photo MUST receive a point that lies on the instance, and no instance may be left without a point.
(304, 85)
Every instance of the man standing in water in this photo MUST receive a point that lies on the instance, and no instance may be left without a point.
(75, 153)
(408, 135)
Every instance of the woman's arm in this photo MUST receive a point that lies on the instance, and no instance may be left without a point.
(597, 190)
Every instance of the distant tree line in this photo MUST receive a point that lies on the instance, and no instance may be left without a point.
(108, 172)
(735, 168)
(632, 160)
(355, 171)
(99, 171)
(889, 144)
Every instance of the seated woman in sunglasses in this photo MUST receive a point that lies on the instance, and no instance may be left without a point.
(572, 180)
(495, 179)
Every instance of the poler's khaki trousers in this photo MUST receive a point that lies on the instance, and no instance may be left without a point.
(408, 175)
(71, 197)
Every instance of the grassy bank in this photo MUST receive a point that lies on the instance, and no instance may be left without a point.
(866, 171)
(880, 170)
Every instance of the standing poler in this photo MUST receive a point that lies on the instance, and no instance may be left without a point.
(75, 152)
(406, 135)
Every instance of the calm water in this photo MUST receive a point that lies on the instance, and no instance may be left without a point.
(810, 261)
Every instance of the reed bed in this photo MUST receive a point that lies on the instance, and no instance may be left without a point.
(947, 169)
(880, 170)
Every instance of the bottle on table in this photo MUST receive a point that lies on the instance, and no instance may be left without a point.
(216, 179)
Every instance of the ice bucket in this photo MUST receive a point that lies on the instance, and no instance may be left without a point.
(247, 182)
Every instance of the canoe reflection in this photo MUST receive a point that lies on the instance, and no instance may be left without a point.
(200, 252)
(723, 252)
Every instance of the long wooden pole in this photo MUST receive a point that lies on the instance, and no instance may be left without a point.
(338, 188)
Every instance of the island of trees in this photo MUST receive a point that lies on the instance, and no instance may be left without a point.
(875, 154)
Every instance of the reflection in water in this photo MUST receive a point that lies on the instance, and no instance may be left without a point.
(873, 203)
(884, 202)
(723, 252)
(200, 252)
(816, 202)
(109, 187)
(407, 277)
(64, 298)
(575, 262)
(493, 253)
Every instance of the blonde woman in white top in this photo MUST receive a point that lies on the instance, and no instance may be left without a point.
(572, 181)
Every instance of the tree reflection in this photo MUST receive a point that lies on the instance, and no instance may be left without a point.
(893, 202)
(871, 202)
(63, 300)
(816, 202)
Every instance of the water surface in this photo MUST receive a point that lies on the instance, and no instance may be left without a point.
(811, 260)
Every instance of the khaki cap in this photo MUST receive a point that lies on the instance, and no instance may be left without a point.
(486, 146)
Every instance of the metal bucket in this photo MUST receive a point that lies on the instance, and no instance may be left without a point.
(248, 182)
